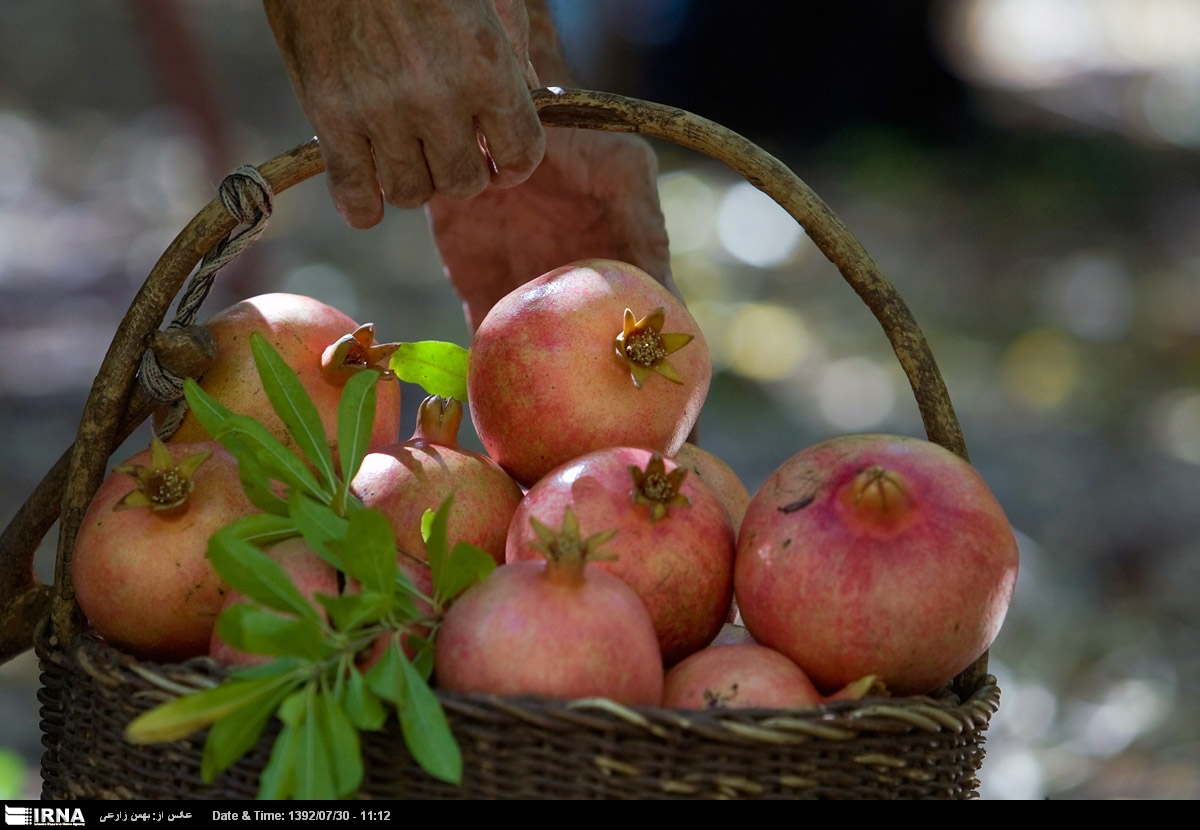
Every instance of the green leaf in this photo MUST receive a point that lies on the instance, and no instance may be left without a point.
(250, 571)
(439, 368)
(278, 779)
(350, 611)
(436, 546)
(386, 678)
(182, 716)
(293, 406)
(341, 744)
(314, 777)
(368, 551)
(259, 631)
(363, 706)
(426, 731)
(235, 734)
(467, 565)
(356, 418)
(423, 721)
(263, 529)
(211, 413)
(427, 524)
(258, 487)
(318, 524)
(243, 436)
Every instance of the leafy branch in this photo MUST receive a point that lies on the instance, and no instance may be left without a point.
(319, 683)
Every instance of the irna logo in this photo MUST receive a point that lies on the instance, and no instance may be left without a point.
(43, 816)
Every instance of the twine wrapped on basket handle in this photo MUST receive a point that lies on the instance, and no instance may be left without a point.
(114, 385)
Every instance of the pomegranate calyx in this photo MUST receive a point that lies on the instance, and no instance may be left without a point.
(357, 351)
(644, 348)
(566, 552)
(164, 485)
(438, 421)
(657, 488)
(880, 493)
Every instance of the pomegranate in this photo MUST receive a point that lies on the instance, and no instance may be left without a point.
(590, 355)
(320, 343)
(720, 478)
(139, 566)
(556, 628)
(673, 545)
(404, 480)
(876, 554)
(310, 574)
(738, 677)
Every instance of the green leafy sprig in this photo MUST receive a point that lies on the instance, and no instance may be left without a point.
(315, 684)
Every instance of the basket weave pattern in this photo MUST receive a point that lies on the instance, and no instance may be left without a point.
(524, 748)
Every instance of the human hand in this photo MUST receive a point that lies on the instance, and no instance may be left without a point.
(399, 92)
(595, 194)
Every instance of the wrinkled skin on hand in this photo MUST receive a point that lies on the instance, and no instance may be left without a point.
(397, 90)
(594, 195)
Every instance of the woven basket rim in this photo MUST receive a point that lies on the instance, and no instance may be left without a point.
(939, 710)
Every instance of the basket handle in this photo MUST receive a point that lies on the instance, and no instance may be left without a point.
(113, 403)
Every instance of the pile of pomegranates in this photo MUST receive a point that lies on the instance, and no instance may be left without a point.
(867, 562)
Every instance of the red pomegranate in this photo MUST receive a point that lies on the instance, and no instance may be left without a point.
(556, 628)
(403, 480)
(876, 554)
(673, 543)
(139, 568)
(319, 342)
(738, 677)
(590, 355)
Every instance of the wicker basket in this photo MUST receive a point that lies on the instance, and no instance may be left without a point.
(911, 747)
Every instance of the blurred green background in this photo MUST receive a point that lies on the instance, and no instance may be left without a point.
(1025, 171)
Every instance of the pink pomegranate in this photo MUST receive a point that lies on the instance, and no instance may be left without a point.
(590, 355)
(738, 677)
(310, 574)
(320, 343)
(139, 567)
(404, 480)
(720, 478)
(876, 554)
(556, 628)
(673, 543)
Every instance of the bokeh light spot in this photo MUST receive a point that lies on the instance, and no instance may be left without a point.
(689, 206)
(1177, 424)
(766, 342)
(1041, 369)
(754, 229)
(855, 393)
(1093, 297)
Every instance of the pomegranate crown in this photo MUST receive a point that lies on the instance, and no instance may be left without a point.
(357, 351)
(164, 485)
(644, 348)
(566, 545)
(657, 488)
